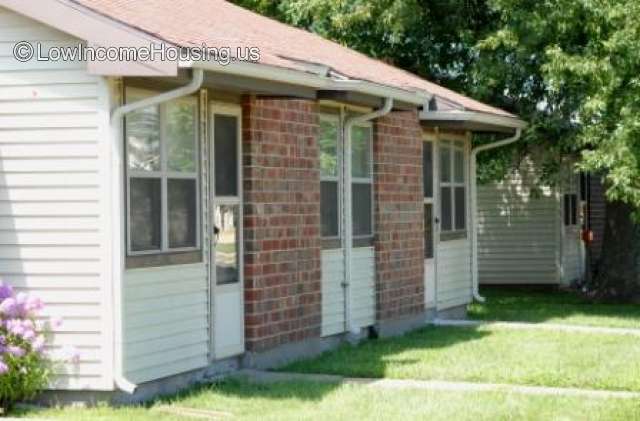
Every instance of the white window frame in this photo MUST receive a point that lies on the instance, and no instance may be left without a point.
(163, 175)
(221, 108)
(334, 118)
(453, 145)
(364, 180)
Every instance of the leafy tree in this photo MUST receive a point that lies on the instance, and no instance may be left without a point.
(434, 39)
(572, 68)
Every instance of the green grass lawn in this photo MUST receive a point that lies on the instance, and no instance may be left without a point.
(539, 305)
(491, 354)
(313, 401)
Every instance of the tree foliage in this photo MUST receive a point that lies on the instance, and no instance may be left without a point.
(434, 39)
(573, 67)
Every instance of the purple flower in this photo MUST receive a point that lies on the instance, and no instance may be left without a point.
(29, 334)
(15, 326)
(9, 307)
(34, 304)
(6, 291)
(38, 344)
(16, 351)
(3, 367)
(21, 298)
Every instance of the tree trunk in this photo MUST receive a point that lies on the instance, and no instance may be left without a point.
(618, 274)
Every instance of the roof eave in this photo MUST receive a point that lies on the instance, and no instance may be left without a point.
(471, 120)
(292, 76)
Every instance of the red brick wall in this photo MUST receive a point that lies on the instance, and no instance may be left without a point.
(281, 221)
(398, 216)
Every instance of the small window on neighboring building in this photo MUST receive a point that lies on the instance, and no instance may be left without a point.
(453, 190)
(570, 209)
(162, 175)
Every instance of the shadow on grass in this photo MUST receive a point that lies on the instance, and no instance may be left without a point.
(372, 358)
(539, 304)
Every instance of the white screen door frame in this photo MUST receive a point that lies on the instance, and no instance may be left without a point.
(430, 266)
(227, 299)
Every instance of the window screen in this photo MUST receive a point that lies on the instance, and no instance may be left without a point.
(446, 209)
(145, 214)
(183, 215)
(162, 174)
(428, 231)
(361, 197)
(329, 178)
(329, 208)
(427, 169)
(453, 188)
(226, 155)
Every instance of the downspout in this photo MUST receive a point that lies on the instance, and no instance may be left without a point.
(119, 234)
(346, 200)
(474, 206)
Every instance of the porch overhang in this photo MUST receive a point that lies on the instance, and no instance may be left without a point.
(472, 121)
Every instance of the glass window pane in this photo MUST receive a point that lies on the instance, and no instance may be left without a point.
(226, 155)
(361, 152)
(142, 131)
(459, 166)
(427, 169)
(361, 202)
(328, 141)
(428, 231)
(567, 210)
(180, 135)
(574, 209)
(183, 218)
(145, 214)
(445, 163)
(226, 243)
(461, 214)
(445, 209)
(329, 208)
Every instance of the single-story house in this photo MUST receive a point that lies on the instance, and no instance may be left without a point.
(536, 233)
(190, 217)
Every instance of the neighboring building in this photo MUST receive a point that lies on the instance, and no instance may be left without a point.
(532, 233)
(217, 223)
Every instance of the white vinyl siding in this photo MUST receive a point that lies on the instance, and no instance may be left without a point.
(517, 231)
(363, 288)
(454, 273)
(521, 235)
(166, 321)
(53, 196)
(333, 320)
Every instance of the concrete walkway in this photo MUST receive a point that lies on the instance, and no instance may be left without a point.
(540, 326)
(257, 376)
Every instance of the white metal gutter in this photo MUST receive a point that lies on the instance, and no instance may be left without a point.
(346, 200)
(474, 205)
(119, 234)
(436, 117)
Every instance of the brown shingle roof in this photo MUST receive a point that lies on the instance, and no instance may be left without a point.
(218, 23)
